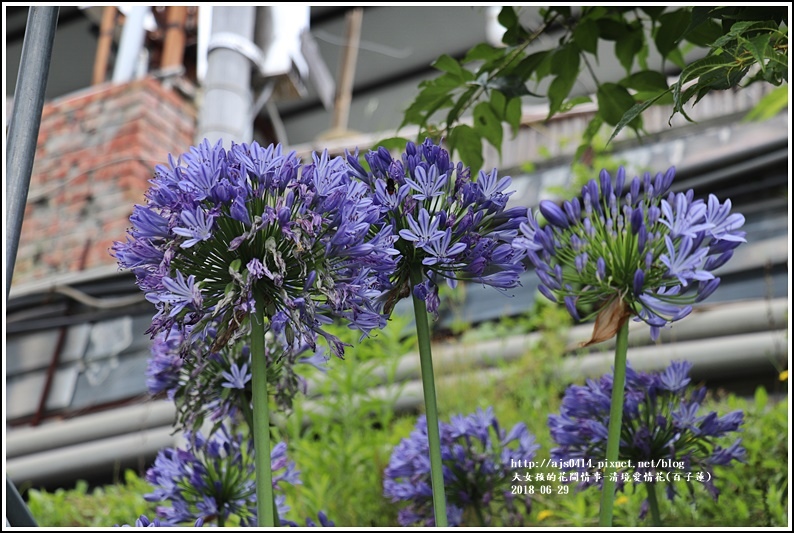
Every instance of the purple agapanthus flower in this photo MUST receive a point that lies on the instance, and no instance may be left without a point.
(213, 478)
(220, 226)
(218, 385)
(477, 455)
(449, 226)
(665, 434)
(631, 249)
(143, 521)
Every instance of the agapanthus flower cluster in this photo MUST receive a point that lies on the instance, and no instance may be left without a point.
(477, 455)
(221, 227)
(664, 431)
(213, 479)
(218, 385)
(633, 248)
(451, 227)
(143, 521)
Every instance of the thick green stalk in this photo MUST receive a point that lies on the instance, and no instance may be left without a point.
(264, 476)
(615, 423)
(431, 409)
(653, 504)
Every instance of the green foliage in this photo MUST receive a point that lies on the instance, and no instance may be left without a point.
(490, 81)
(103, 507)
(342, 440)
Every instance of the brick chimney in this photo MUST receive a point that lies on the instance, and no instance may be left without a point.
(96, 151)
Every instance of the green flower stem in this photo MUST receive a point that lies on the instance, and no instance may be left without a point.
(264, 476)
(431, 409)
(615, 423)
(653, 503)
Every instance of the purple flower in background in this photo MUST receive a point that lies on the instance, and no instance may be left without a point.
(449, 226)
(639, 252)
(213, 478)
(664, 432)
(477, 455)
(222, 225)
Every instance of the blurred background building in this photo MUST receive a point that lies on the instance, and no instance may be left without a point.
(127, 86)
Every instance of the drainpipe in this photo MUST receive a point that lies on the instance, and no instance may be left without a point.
(23, 132)
(132, 37)
(226, 106)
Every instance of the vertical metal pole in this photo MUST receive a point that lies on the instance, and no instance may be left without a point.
(23, 132)
(23, 129)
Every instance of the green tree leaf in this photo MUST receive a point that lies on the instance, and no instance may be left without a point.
(627, 47)
(446, 64)
(646, 80)
(483, 52)
(559, 90)
(513, 114)
(467, 143)
(585, 35)
(633, 113)
(566, 61)
(613, 102)
(671, 30)
(488, 125)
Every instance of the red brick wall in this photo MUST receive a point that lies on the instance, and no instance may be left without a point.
(96, 152)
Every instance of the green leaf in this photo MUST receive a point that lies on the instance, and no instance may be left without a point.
(671, 29)
(632, 114)
(627, 47)
(465, 140)
(704, 33)
(483, 52)
(424, 106)
(611, 30)
(507, 17)
(566, 61)
(510, 86)
(514, 33)
(585, 35)
(559, 90)
(446, 64)
(499, 104)
(463, 101)
(758, 47)
(488, 125)
(513, 114)
(528, 65)
(646, 80)
(613, 102)
(653, 12)
(770, 105)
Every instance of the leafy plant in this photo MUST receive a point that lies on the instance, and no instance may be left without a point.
(740, 45)
(102, 507)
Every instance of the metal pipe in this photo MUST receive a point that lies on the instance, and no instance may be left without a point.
(226, 109)
(132, 37)
(96, 426)
(90, 457)
(23, 130)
